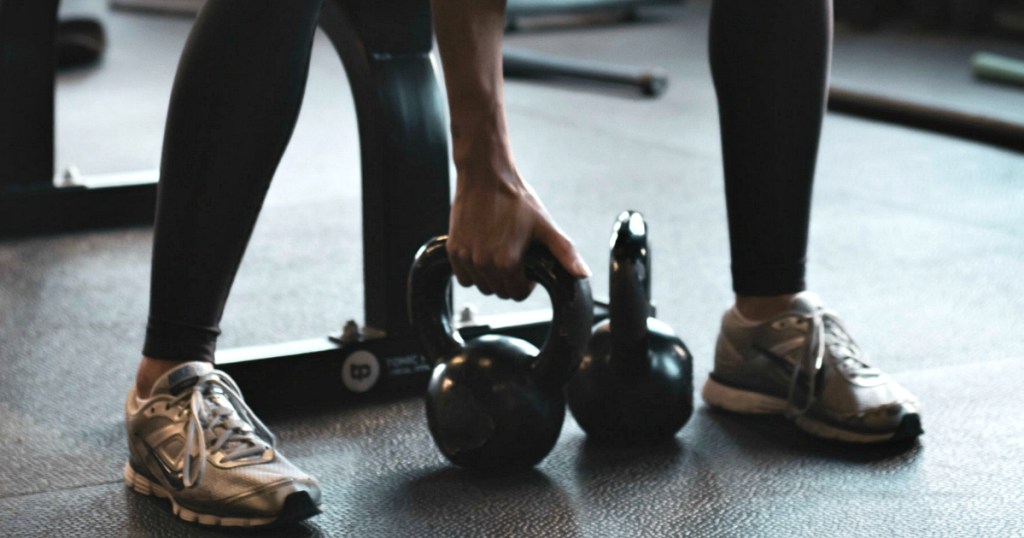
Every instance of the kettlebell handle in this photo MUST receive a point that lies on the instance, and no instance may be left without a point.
(629, 290)
(430, 310)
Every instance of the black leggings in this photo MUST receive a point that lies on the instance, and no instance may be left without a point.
(237, 96)
(770, 62)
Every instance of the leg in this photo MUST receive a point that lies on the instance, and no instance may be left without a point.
(234, 105)
(770, 62)
(779, 350)
(191, 436)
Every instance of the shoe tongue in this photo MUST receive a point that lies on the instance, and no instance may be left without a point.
(181, 378)
(806, 302)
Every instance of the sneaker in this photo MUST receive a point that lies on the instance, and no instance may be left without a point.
(804, 364)
(195, 441)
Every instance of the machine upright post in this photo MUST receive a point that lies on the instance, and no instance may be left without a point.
(28, 57)
(385, 48)
(30, 203)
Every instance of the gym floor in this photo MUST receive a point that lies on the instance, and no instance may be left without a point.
(917, 239)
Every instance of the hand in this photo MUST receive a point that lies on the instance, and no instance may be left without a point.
(491, 224)
(495, 215)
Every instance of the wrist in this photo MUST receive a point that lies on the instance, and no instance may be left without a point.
(487, 171)
(478, 129)
(481, 150)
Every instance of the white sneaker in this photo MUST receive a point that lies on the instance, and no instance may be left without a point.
(195, 441)
(804, 364)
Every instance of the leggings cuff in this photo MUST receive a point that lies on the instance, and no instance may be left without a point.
(767, 280)
(180, 342)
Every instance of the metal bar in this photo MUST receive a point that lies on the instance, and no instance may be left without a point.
(998, 68)
(987, 130)
(525, 8)
(528, 64)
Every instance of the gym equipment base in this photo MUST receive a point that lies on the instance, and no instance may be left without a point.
(98, 202)
(301, 373)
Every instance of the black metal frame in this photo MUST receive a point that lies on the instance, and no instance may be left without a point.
(385, 49)
(30, 202)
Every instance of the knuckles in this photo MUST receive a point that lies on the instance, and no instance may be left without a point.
(506, 262)
(493, 272)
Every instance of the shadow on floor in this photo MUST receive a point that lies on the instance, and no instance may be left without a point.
(776, 432)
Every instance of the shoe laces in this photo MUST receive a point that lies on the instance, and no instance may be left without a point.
(826, 333)
(219, 421)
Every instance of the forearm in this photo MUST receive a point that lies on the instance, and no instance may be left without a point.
(469, 36)
(495, 214)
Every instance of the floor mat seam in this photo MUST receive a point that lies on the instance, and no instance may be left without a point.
(58, 490)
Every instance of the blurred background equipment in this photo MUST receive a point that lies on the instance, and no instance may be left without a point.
(80, 41)
(997, 68)
(183, 7)
(526, 64)
(521, 63)
(33, 198)
(962, 16)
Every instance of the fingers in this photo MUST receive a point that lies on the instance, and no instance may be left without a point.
(508, 269)
(465, 269)
(488, 235)
(459, 269)
(563, 249)
(501, 273)
(492, 273)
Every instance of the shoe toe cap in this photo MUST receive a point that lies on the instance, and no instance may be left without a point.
(300, 501)
(894, 417)
(309, 485)
(288, 500)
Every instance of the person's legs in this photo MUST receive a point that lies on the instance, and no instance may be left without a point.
(234, 105)
(770, 62)
(191, 436)
(779, 350)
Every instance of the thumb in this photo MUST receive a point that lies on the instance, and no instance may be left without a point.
(563, 249)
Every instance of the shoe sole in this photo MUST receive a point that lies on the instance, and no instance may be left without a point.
(297, 506)
(754, 403)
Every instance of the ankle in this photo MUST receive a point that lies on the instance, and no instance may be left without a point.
(149, 371)
(759, 309)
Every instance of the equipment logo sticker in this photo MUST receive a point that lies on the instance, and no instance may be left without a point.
(360, 371)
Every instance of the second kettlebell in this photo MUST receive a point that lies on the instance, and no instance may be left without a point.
(635, 383)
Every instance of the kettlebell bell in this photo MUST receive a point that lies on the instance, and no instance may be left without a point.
(496, 402)
(635, 383)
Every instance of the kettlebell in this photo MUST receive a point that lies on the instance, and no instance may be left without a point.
(635, 383)
(496, 402)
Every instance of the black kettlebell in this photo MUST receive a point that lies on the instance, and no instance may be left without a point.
(635, 383)
(495, 402)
